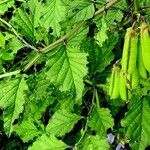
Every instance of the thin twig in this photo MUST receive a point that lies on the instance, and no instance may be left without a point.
(9, 74)
(18, 36)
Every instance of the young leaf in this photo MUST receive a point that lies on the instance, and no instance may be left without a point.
(67, 68)
(62, 122)
(2, 40)
(136, 124)
(53, 14)
(12, 101)
(102, 33)
(83, 10)
(101, 120)
(27, 130)
(4, 5)
(27, 22)
(94, 143)
(48, 143)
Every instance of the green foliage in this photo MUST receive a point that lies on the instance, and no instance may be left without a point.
(62, 122)
(67, 68)
(136, 124)
(12, 101)
(4, 5)
(100, 120)
(56, 57)
(48, 142)
(94, 142)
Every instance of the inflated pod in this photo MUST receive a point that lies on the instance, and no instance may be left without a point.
(135, 78)
(114, 83)
(145, 45)
(140, 65)
(129, 56)
(122, 86)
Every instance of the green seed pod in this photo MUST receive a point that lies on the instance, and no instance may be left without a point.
(114, 83)
(145, 45)
(140, 65)
(122, 86)
(129, 56)
(135, 78)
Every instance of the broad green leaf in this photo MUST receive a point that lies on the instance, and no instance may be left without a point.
(12, 101)
(114, 15)
(100, 57)
(101, 120)
(67, 68)
(78, 38)
(62, 122)
(24, 23)
(102, 33)
(14, 45)
(82, 9)
(27, 130)
(137, 124)
(48, 143)
(27, 22)
(40, 96)
(94, 143)
(5, 4)
(54, 12)
(2, 40)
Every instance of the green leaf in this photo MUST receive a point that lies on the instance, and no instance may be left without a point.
(48, 143)
(40, 96)
(101, 36)
(100, 57)
(137, 124)
(2, 40)
(101, 120)
(54, 12)
(12, 101)
(5, 4)
(94, 143)
(27, 22)
(67, 68)
(76, 40)
(27, 130)
(114, 15)
(62, 122)
(82, 9)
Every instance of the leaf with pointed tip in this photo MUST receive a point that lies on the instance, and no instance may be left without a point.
(67, 68)
(101, 36)
(94, 143)
(82, 10)
(46, 142)
(54, 13)
(5, 4)
(101, 120)
(12, 101)
(27, 130)
(62, 122)
(137, 124)
(27, 22)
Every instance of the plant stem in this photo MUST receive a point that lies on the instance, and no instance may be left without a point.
(9, 74)
(17, 35)
(68, 35)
